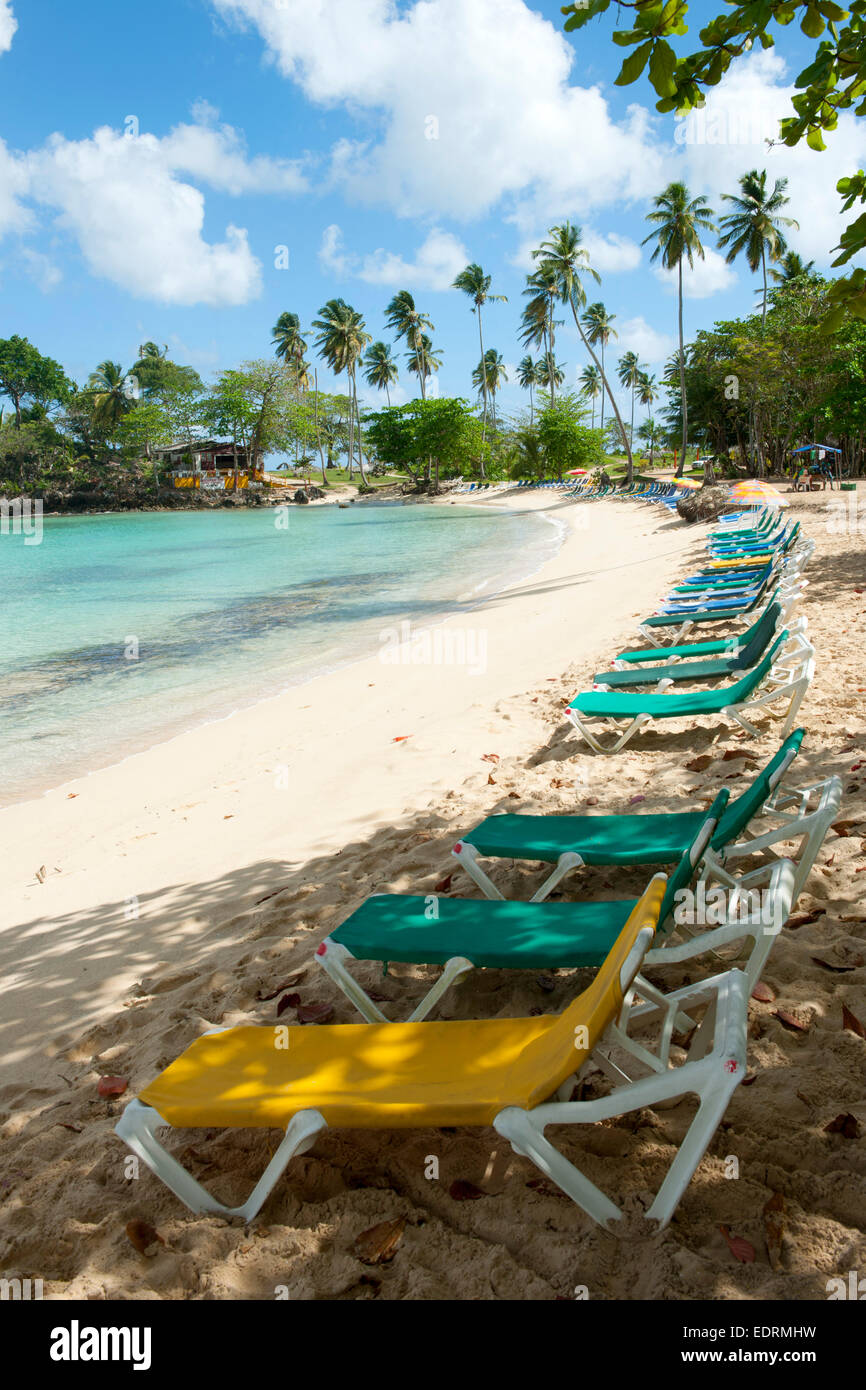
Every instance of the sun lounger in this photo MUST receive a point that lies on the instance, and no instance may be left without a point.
(712, 668)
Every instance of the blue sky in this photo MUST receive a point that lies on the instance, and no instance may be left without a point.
(153, 158)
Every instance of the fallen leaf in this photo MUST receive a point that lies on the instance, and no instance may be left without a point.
(774, 1229)
(315, 1013)
(802, 919)
(288, 1001)
(791, 1021)
(111, 1085)
(851, 1023)
(76, 1129)
(378, 1245)
(547, 983)
(763, 993)
(491, 780)
(847, 1125)
(699, 763)
(490, 757)
(40, 874)
(444, 884)
(633, 799)
(750, 1079)
(843, 827)
(401, 738)
(463, 1191)
(739, 1248)
(143, 1237)
(854, 964)
(70, 796)
(731, 753)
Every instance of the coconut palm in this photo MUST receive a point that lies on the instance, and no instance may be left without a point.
(528, 378)
(566, 259)
(152, 352)
(290, 344)
(489, 375)
(550, 371)
(792, 268)
(678, 221)
(539, 325)
(408, 323)
(473, 282)
(590, 385)
(381, 368)
(113, 394)
(651, 434)
(599, 329)
(755, 226)
(629, 371)
(341, 340)
(423, 361)
(647, 390)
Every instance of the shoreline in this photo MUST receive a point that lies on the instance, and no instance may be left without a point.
(241, 803)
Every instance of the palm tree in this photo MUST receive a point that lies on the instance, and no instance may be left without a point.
(599, 329)
(341, 340)
(423, 361)
(476, 284)
(590, 385)
(528, 378)
(629, 372)
(647, 390)
(563, 257)
(151, 351)
(652, 435)
(539, 325)
(112, 394)
(792, 268)
(489, 375)
(755, 225)
(381, 368)
(407, 322)
(550, 373)
(679, 219)
(289, 342)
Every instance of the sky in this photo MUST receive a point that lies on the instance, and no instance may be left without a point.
(184, 171)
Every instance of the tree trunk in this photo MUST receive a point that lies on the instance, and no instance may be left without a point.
(351, 426)
(360, 438)
(325, 482)
(682, 366)
(483, 378)
(606, 385)
(602, 391)
(551, 361)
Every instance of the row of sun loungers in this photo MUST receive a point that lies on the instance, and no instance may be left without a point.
(518, 1075)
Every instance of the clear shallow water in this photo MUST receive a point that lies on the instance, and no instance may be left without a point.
(225, 607)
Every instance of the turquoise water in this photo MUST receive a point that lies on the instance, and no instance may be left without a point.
(119, 631)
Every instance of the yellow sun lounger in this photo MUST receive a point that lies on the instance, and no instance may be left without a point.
(506, 1073)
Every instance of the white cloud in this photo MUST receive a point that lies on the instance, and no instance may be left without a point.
(8, 25)
(474, 100)
(41, 269)
(437, 261)
(216, 155)
(611, 252)
(636, 335)
(13, 185)
(707, 276)
(137, 224)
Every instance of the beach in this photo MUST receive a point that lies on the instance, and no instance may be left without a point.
(186, 885)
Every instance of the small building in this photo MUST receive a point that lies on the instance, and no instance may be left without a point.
(210, 464)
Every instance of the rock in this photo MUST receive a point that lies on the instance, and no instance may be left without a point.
(300, 496)
(704, 504)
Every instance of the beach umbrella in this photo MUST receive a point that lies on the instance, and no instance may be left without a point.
(688, 482)
(576, 473)
(755, 494)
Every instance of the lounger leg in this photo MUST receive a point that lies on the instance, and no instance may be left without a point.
(564, 865)
(711, 1109)
(618, 744)
(137, 1126)
(467, 855)
(331, 955)
(451, 972)
(526, 1139)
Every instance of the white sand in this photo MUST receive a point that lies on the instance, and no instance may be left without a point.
(192, 831)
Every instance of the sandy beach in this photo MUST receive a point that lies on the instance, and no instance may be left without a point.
(186, 885)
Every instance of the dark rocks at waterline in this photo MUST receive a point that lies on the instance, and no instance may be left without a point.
(705, 503)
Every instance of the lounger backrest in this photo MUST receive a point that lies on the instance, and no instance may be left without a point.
(742, 688)
(759, 635)
(554, 1056)
(684, 872)
(745, 807)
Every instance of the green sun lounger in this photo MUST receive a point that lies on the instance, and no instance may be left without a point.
(652, 628)
(721, 646)
(709, 669)
(464, 933)
(755, 823)
(764, 685)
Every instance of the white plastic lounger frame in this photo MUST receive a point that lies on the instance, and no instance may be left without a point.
(715, 1065)
(737, 641)
(676, 633)
(333, 955)
(789, 678)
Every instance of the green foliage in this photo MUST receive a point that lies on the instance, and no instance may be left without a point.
(26, 375)
(564, 440)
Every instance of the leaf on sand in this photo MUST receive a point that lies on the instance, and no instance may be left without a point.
(633, 799)
(802, 919)
(839, 966)
(111, 1085)
(315, 1013)
(401, 738)
(288, 1001)
(851, 1023)
(791, 1021)
(844, 827)
(774, 1229)
(463, 1191)
(763, 993)
(547, 983)
(287, 984)
(143, 1237)
(699, 763)
(491, 780)
(379, 1244)
(490, 757)
(739, 1248)
(846, 1125)
(444, 884)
